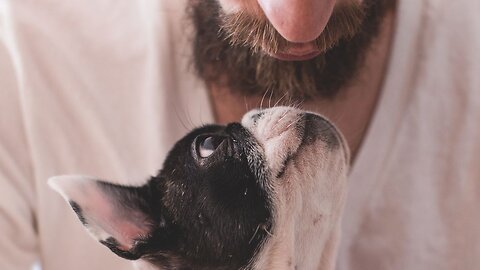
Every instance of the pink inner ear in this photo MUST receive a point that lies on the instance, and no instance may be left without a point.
(131, 226)
(106, 215)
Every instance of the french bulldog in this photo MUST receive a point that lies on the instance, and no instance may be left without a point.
(266, 193)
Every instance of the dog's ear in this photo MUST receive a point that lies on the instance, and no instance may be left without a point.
(120, 217)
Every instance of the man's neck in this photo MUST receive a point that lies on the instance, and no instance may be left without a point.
(351, 111)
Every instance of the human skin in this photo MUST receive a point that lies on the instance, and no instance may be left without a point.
(353, 108)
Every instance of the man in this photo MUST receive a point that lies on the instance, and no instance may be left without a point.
(105, 88)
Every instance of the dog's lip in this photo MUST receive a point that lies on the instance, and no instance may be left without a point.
(307, 131)
(331, 128)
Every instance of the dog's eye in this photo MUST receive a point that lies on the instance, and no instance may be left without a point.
(207, 145)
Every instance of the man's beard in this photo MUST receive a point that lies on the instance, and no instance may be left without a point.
(226, 55)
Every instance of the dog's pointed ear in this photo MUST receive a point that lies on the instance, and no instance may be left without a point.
(120, 217)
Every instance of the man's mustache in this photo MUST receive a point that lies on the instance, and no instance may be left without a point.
(257, 33)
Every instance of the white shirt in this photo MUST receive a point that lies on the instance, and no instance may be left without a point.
(106, 87)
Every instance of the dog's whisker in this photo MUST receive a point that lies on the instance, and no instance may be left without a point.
(294, 122)
(189, 118)
(261, 102)
(283, 116)
(246, 103)
(290, 99)
(298, 104)
(278, 101)
(179, 118)
(254, 234)
(270, 99)
(264, 227)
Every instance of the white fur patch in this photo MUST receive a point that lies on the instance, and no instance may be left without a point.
(308, 198)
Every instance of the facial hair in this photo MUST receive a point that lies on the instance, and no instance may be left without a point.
(228, 57)
(257, 33)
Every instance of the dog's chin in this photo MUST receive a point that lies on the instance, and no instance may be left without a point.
(308, 160)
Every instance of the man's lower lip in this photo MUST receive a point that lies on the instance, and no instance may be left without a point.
(291, 57)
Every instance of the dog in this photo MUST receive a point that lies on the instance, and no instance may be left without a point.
(266, 193)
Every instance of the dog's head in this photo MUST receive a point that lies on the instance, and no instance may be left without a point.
(263, 194)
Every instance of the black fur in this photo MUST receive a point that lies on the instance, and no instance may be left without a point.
(78, 210)
(205, 212)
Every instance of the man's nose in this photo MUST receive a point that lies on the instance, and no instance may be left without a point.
(298, 20)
